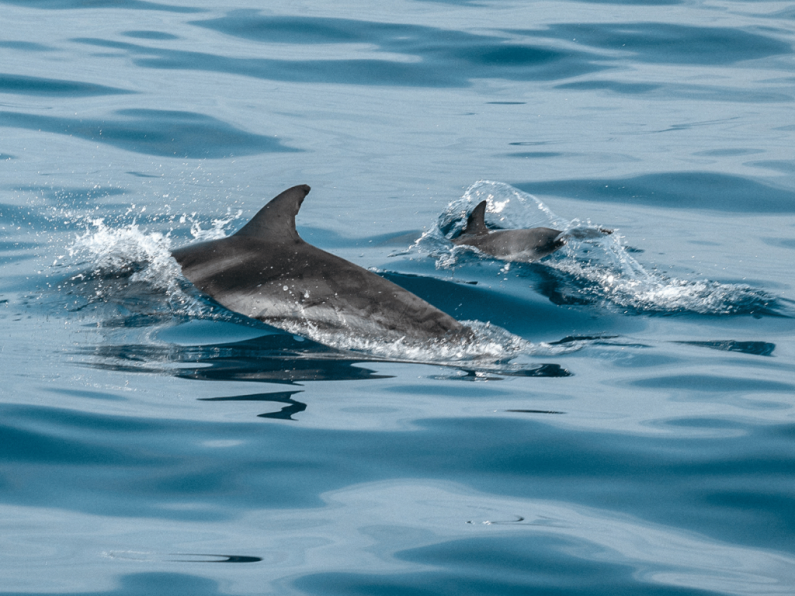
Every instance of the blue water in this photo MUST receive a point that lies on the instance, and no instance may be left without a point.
(625, 421)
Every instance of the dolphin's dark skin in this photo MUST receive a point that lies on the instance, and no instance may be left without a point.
(509, 245)
(267, 272)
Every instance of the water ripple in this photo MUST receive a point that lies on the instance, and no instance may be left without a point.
(664, 43)
(676, 190)
(23, 85)
(83, 4)
(155, 132)
(433, 57)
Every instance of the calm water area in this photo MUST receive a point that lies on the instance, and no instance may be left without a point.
(624, 422)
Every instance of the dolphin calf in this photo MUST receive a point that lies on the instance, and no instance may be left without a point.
(267, 272)
(509, 245)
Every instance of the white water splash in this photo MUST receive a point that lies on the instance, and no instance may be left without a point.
(216, 230)
(108, 249)
(129, 269)
(102, 248)
(613, 275)
(593, 265)
(507, 207)
(491, 345)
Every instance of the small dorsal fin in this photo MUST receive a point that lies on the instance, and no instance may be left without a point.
(276, 220)
(476, 224)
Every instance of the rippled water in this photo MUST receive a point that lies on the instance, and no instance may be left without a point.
(623, 421)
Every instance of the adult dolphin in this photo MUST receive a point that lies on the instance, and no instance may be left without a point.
(267, 272)
(509, 245)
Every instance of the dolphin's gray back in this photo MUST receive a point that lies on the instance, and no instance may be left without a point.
(516, 245)
(281, 284)
(508, 245)
(266, 271)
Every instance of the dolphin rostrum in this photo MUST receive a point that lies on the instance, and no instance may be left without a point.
(509, 245)
(267, 272)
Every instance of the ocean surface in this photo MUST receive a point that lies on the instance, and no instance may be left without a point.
(623, 423)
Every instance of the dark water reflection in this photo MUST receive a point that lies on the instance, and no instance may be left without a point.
(275, 358)
(512, 564)
(208, 558)
(281, 397)
(756, 348)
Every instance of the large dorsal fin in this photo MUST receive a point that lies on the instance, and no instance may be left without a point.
(276, 220)
(476, 224)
